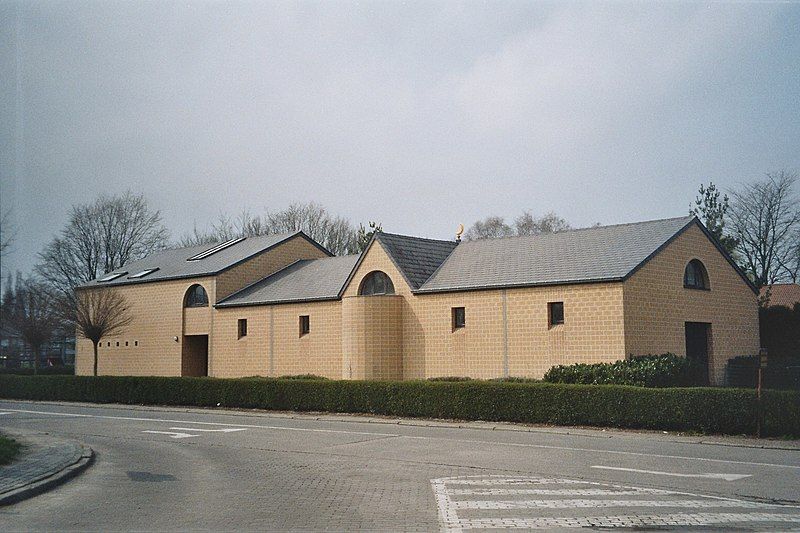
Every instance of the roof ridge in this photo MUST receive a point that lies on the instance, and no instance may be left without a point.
(687, 218)
(378, 234)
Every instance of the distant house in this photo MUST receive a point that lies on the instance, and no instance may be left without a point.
(781, 294)
(412, 308)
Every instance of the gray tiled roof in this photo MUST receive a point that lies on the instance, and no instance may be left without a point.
(305, 280)
(173, 264)
(591, 254)
(417, 258)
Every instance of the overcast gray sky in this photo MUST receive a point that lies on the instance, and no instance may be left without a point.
(420, 115)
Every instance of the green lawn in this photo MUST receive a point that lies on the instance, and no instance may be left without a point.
(9, 448)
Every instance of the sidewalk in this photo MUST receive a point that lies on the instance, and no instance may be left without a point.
(43, 463)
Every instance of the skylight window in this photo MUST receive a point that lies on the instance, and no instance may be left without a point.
(112, 277)
(215, 249)
(142, 274)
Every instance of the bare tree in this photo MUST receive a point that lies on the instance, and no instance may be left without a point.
(101, 237)
(494, 227)
(765, 219)
(335, 233)
(98, 313)
(7, 232)
(30, 308)
(527, 224)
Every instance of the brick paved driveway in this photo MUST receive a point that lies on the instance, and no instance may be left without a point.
(173, 469)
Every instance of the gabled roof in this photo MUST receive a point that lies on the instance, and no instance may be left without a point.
(302, 281)
(785, 294)
(605, 253)
(415, 257)
(174, 263)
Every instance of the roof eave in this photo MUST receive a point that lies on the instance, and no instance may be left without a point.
(222, 305)
(517, 285)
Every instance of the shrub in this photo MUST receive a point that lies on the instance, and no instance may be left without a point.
(667, 370)
(514, 379)
(705, 410)
(9, 449)
(451, 378)
(304, 376)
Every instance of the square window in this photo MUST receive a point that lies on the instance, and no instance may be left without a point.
(242, 327)
(459, 317)
(305, 325)
(555, 313)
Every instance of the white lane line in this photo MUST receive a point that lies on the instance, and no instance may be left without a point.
(170, 421)
(726, 477)
(619, 521)
(172, 434)
(590, 504)
(465, 441)
(553, 492)
(223, 430)
(5, 413)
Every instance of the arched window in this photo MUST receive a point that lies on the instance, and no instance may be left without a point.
(695, 276)
(196, 296)
(376, 283)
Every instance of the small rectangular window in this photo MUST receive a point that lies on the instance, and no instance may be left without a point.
(555, 313)
(305, 325)
(242, 327)
(459, 317)
(136, 343)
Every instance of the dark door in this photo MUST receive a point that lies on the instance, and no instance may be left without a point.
(195, 355)
(697, 344)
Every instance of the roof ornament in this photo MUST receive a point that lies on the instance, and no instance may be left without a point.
(459, 232)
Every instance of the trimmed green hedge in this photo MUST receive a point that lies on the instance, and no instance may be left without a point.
(706, 410)
(667, 370)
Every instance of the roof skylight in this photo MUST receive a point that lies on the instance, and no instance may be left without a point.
(142, 274)
(215, 249)
(112, 277)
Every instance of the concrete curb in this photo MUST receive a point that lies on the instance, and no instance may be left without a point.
(56, 477)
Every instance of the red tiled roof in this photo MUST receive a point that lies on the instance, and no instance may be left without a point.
(785, 294)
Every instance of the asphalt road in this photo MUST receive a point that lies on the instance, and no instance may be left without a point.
(179, 469)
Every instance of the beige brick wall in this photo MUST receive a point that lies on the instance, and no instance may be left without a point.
(265, 264)
(287, 353)
(372, 337)
(159, 316)
(151, 350)
(410, 336)
(657, 305)
(592, 332)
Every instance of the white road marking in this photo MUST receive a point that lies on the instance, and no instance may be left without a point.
(587, 504)
(172, 434)
(5, 413)
(554, 492)
(223, 430)
(465, 441)
(483, 513)
(726, 477)
(625, 521)
(170, 421)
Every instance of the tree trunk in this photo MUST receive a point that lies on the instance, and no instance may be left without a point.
(35, 360)
(95, 357)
